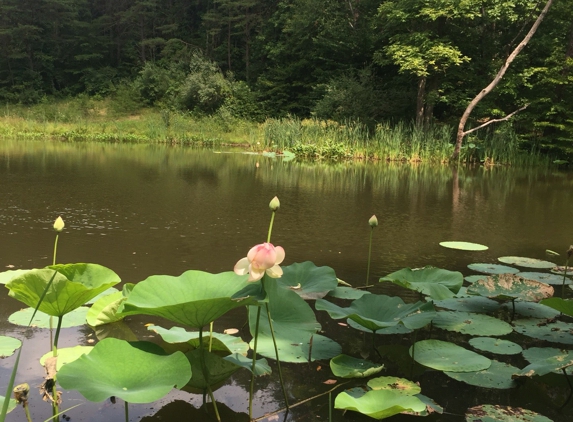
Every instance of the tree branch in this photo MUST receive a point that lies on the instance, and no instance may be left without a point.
(489, 122)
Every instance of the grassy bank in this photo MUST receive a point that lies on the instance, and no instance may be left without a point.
(88, 119)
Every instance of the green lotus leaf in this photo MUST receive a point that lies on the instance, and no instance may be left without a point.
(510, 287)
(498, 376)
(67, 355)
(545, 366)
(344, 366)
(379, 404)
(295, 348)
(8, 345)
(537, 354)
(401, 385)
(104, 310)
(548, 278)
(560, 269)
(74, 318)
(350, 293)
(180, 407)
(495, 345)
(474, 278)
(526, 262)
(469, 304)
(431, 406)
(549, 330)
(396, 329)
(195, 298)
(375, 312)
(446, 356)
(107, 292)
(116, 368)
(73, 285)
(307, 280)
(261, 366)
(11, 404)
(531, 310)
(492, 269)
(6, 276)
(562, 305)
(218, 368)
(434, 282)
(497, 413)
(464, 246)
(472, 324)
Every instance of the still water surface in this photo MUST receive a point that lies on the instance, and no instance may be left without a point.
(145, 209)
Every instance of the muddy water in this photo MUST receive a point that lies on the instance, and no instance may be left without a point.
(144, 210)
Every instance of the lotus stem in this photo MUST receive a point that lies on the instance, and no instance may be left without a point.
(55, 249)
(214, 402)
(277, 354)
(369, 256)
(125, 404)
(206, 372)
(57, 336)
(330, 406)
(252, 387)
(271, 227)
(27, 410)
(211, 336)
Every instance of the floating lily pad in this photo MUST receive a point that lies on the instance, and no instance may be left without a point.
(472, 324)
(402, 385)
(11, 403)
(547, 278)
(532, 310)
(510, 287)
(477, 304)
(496, 345)
(379, 404)
(8, 345)
(554, 331)
(74, 318)
(307, 280)
(396, 329)
(67, 355)
(537, 354)
(498, 376)
(493, 269)
(434, 282)
(562, 305)
(116, 368)
(6, 276)
(545, 366)
(446, 356)
(464, 246)
(474, 278)
(497, 413)
(525, 262)
(561, 270)
(344, 292)
(344, 366)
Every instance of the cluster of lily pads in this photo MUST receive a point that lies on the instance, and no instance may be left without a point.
(200, 360)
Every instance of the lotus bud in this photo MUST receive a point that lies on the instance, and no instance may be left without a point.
(373, 221)
(59, 224)
(275, 204)
(570, 251)
(21, 392)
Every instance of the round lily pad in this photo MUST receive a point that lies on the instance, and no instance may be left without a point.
(548, 278)
(11, 403)
(396, 329)
(498, 376)
(496, 345)
(402, 385)
(74, 318)
(526, 262)
(536, 354)
(532, 310)
(8, 345)
(474, 278)
(379, 404)
(497, 413)
(493, 269)
(446, 356)
(472, 324)
(561, 270)
(464, 246)
(67, 355)
(344, 366)
(554, 331)
(344, 292)
(477, 304)
(510, 287)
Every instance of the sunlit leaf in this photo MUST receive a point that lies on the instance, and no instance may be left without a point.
(511, 287)
(8, 345)
(472, 324)
(562, 305)
(548, 278)
(307, 280)
(434, 282)
(495, 345)
(344, 366)
(446, 356)
(67, 355)
(6, 276)
(379, 404)
(525, 262)
(74, 318)
(493, 269)
(401, 385)
(538, 354)
(11, 404)
(464, 246)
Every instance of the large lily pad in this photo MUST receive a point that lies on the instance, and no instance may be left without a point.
(497, 413)
(548, 278)
(498, 376)
(532, 310)
(474, 278)
(560, 269)
(107, 292)
(492, 268)
(116, 368)
(477, 304)
(307, 280)
(446, 356)
(72, 286)
(537, 354)
(525, 262)
(74, 318)
(8, 345)
(549, 330)
(434, 282)
(562, 305)
(472, 324)
(344, 292)
(195, 298)
(510, 287)
(495, 345)
(541, 367)
(344, 366)
(379, 404)
(396, 329)
(401, 385)
(67, 355)
(104, 310)
(464, 246)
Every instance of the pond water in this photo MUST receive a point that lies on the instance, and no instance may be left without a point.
(146, 209)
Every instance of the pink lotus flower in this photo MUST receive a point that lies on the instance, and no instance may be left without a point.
(260, 259)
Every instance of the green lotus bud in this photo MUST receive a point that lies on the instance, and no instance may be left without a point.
(275, 204)
(373, 221)
(59, 224)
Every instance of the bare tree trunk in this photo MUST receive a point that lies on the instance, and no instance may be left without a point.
(420, 101)
(495, 81)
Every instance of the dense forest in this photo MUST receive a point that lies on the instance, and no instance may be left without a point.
(362, 60)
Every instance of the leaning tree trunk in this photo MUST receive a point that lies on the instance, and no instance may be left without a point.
(461, 133)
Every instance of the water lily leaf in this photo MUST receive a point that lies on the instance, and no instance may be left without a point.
(307, 280)
(116, 368)
(67, 355)
(562, 305)
(8, 345)
(495, 345)
(72, 286)
(347, 293)
(344, 366)
(510, 287)
(547, 278)
(431, 406)
(493, 269)
(474, 278)
(6, 276)
(296, 349)
(107, 292)
(446, 356)
(375, 312)
(525, 262)
(379, 404)
(261, 366)
(532, 310)
(477, 304)
(396, 329)
(11, 405)
(498, 376)
(545, 366)
(550, 330)
(195, 298)
(560, 269)
(434, 282)
(464, 246)
(472, 324)
(401, 385)
(74, 318)
(497, 413)
(537, 354)
(104, 310)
